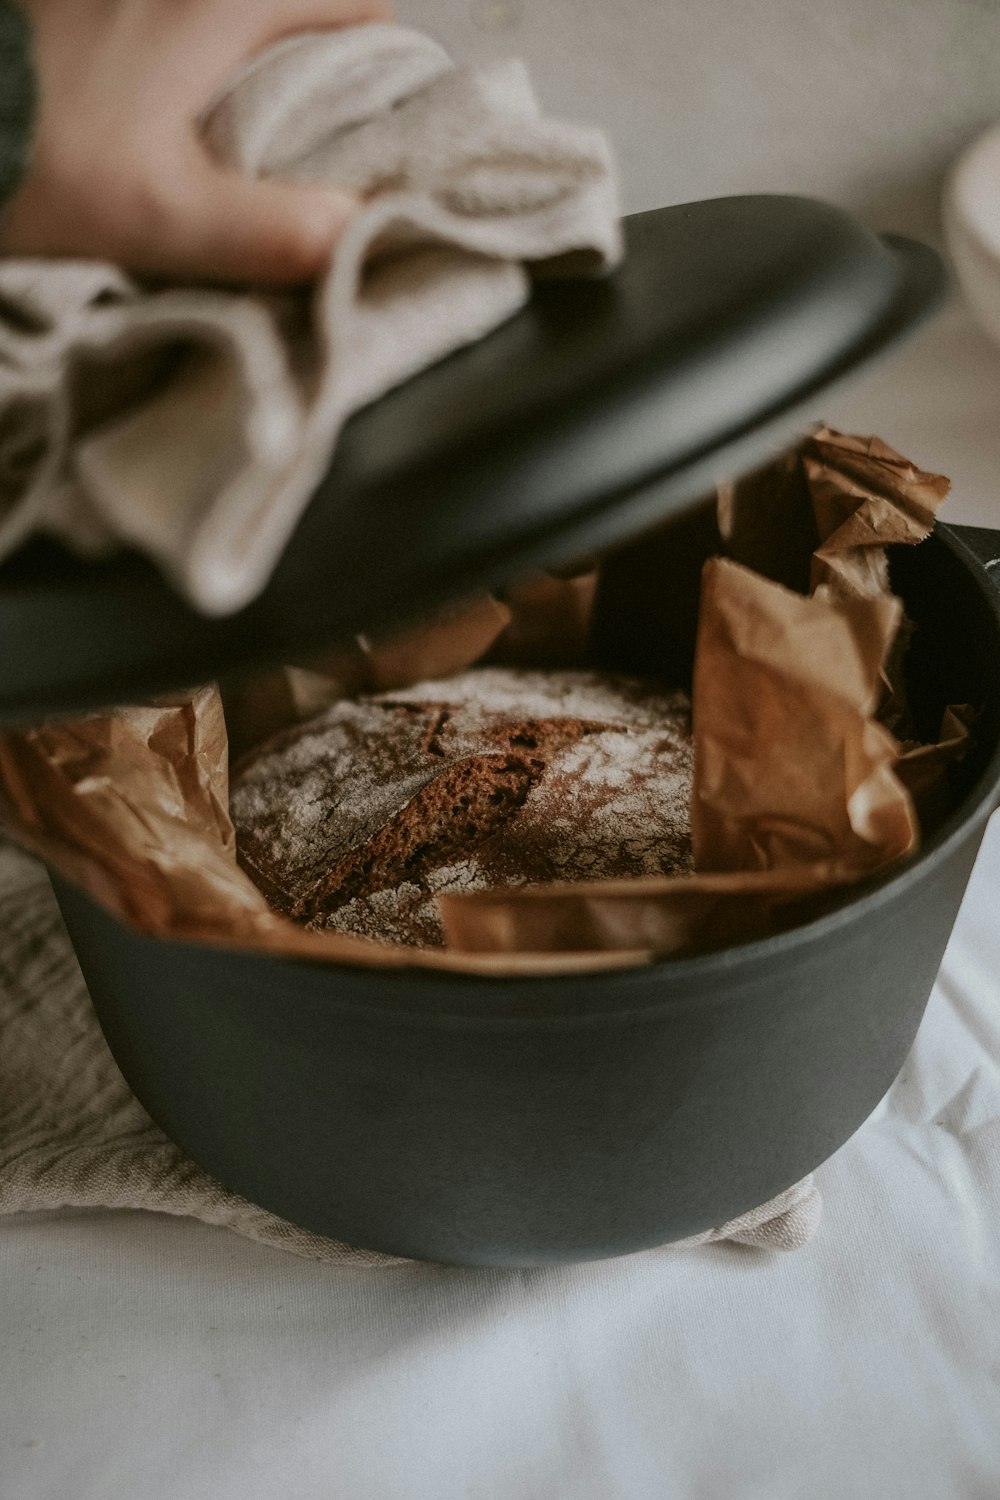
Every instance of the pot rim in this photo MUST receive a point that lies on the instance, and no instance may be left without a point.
(669, 983)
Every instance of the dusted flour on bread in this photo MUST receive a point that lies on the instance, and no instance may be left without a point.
(354, 821)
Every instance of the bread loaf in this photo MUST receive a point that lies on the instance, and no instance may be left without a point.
(356, 820)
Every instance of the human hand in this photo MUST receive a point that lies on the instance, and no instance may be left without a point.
(118, 171)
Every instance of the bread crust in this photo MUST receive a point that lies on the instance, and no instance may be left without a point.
(354, 821)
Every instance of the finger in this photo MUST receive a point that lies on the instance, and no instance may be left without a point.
(273, 18)
(232, 228)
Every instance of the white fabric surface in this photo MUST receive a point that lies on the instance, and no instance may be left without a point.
(144, 1356)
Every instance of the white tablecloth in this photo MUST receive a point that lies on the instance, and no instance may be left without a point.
(154, 1358)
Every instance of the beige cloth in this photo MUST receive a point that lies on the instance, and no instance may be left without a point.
(73, 1135)
(195, 423)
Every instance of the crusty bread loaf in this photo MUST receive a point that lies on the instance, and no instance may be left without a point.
(355, 820)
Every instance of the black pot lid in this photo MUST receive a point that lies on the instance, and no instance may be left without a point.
(600, 410)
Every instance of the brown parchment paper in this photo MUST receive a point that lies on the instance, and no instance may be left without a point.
(824, 513)
(864, 494)
(797, 787)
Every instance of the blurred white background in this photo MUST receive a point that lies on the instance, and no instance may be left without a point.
(861, 103)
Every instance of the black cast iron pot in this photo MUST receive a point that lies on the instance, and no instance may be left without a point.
(521, 1122)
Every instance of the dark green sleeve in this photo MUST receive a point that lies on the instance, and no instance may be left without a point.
(18, 96)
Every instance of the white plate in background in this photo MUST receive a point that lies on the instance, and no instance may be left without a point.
(972, 225)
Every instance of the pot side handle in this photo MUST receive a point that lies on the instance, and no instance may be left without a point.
(984, 544)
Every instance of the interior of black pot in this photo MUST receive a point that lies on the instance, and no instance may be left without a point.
(645, 618)
(645, 622)
(952, 654)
